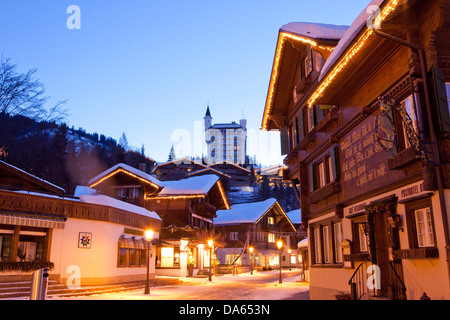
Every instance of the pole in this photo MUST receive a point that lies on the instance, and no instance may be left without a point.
(147, 283)
(210, 263)
(280, 280)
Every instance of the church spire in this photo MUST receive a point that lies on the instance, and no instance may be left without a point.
(208, 113)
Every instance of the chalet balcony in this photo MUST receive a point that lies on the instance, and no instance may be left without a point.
(41, 206)
(205, 209)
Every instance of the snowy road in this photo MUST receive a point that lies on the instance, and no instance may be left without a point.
(259, 286)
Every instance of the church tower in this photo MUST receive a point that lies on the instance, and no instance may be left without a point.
(226, 142)
(208, 119)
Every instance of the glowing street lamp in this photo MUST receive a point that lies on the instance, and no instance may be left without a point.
(149, 237)
(210, 244)
(280, 245)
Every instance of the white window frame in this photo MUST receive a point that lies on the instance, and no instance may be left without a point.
(317, 246)
(338, 237)
(234, 235)
(362, 240)
(326, 244)
(424, 227)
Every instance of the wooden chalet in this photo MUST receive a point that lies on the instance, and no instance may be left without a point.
(41, 226)
(259, 225)
(364, 122)
(177, 169)
(187, 208)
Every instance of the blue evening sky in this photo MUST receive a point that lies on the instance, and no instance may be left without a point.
(149, 68)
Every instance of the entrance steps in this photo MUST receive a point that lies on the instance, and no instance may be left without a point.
(21, 290)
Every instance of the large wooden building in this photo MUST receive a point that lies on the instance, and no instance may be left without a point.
(88, 239)
(364, 120)
(187, 208)
(258, 225)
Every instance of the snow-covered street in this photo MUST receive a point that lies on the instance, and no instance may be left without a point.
(259, 286)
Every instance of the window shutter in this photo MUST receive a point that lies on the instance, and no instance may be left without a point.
(441, 100)
(335, 163)
(284, 141)
(312, 175)
(301, 130)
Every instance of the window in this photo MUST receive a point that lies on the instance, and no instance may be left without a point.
(362, 238)
(234, 235)
(424, 228)
(317, 246)
(321, 174)
(447, 89)
(270, 220)
(271, 237)
(419, 218)
(325, 171)
(338, 237)
(326, 244)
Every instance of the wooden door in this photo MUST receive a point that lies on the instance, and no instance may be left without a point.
(382, 249)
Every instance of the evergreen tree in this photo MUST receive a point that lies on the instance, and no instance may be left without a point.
(172, 155)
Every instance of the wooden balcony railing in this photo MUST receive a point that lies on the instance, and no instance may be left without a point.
(68, 207)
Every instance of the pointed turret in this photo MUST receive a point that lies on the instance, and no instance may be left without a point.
(208, 118)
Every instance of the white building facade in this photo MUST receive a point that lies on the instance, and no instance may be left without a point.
(226, 142)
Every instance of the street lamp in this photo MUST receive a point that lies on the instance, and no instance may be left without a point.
(210, 244)
(149, 237)
(251, 259)
(280, 245)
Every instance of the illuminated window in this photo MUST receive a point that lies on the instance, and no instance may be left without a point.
(271, 237)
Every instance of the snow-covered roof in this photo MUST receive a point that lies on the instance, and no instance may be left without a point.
(130, 169)
(38, 180)
(244, 212)
(118, 204)
(198, 185)
(315, 30)
(295, 216)
(358, 24)
(193, 173)
(303, 243)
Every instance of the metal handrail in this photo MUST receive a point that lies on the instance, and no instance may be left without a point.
(398, 277)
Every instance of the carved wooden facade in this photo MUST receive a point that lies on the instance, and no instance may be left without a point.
(349, 146)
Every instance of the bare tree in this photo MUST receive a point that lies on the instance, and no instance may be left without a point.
(22, 94)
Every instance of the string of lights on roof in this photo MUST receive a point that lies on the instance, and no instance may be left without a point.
(276, 65)
(391, 6)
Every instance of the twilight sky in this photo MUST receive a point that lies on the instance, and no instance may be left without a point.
(148, 68)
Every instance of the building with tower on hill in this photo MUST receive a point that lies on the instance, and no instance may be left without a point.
(226, 142)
